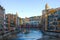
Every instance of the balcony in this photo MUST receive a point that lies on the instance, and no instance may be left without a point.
(51, 28)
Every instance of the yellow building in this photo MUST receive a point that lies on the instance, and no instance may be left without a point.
(45, 16)
(21, 21)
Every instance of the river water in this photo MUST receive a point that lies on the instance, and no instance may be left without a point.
(28, 34)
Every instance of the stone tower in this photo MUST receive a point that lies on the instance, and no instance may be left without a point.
(47, 6)
(16, 13)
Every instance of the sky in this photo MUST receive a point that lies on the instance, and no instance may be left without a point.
(27, 8)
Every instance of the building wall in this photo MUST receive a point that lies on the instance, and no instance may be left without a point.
(21, 21)
(50, 19)
(2, 12)
(35, 18)
(26, 20)
(54, 21)
(11, 21)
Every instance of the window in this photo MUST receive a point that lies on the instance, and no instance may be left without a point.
(55, 23)
(59, 22)
(58, 19)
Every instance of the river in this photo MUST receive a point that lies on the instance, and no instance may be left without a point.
(28, 34)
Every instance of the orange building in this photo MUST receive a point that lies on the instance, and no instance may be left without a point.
(26, 20)
(11, 21)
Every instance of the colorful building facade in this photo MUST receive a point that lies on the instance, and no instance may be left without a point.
(2, 12)
(11, 21)
(50, 19)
